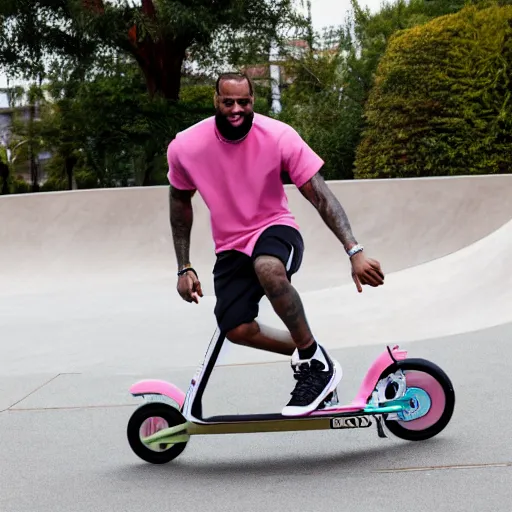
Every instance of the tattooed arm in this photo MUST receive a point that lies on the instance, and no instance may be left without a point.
(321, 197)
(181, 218)
(364, 270)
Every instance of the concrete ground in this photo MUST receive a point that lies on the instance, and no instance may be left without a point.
(88, 306)
(64, 445)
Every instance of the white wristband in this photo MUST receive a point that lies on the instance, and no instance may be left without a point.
(357, 248)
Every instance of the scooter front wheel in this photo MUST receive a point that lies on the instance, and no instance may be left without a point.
(149, 419)
(432, 401)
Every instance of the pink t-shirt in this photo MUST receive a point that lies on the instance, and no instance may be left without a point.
(241, 182)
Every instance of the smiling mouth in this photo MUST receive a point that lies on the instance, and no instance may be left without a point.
(236, 120)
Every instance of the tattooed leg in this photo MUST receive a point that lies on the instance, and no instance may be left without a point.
(284, 299)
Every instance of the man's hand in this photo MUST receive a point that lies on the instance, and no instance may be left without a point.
(189, 287)
(366, 271)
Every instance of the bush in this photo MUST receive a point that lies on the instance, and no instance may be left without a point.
(53, 184)
(326, 118)
(199, 95)
(329, 125)
(10, 183)
(441, 101)
(20, 186)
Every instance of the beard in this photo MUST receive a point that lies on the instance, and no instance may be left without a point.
(230, 132)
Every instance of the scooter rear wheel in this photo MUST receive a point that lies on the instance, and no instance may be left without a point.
(144, 418)
(433, 386)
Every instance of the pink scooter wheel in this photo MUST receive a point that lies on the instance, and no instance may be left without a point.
(434, 382)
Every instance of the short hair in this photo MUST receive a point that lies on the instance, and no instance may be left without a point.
(239, 77)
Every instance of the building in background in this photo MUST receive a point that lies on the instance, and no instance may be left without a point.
(22, 163)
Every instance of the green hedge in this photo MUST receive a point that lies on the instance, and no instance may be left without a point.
(441, 101)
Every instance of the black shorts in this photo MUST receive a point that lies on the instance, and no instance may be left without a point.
(236, 284)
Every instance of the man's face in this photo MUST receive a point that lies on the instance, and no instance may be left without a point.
(234, 102)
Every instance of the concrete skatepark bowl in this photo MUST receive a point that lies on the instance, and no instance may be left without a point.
(88, 306)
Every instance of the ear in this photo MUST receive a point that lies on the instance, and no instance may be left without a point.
(216, 100)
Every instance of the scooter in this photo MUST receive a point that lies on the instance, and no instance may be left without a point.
(411, 398)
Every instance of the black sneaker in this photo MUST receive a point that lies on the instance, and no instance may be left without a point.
(316, 379)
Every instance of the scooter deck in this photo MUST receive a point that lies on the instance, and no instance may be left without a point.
(336, 417)
(331, 412)
(244, 418)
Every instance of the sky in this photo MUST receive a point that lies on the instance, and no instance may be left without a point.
(323, 13)
(333, 12)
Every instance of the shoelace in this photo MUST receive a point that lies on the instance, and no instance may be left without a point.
(307, 383)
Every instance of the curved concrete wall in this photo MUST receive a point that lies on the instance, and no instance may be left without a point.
(125, 232)
(87, 279)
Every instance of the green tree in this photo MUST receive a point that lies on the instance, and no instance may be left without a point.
(334, 75)
(315, 105)
(441, 101)
(160, 35)
(73, 39)
(115, 134)
(367, 36)
(26, 141)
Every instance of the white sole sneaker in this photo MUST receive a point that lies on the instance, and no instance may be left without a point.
(296, 411)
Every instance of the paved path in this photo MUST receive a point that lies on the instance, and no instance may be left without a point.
(88, 306)
(64, 446)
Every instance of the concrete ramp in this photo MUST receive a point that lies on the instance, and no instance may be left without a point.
(87, 278)
(52, 239)
(468, 290)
